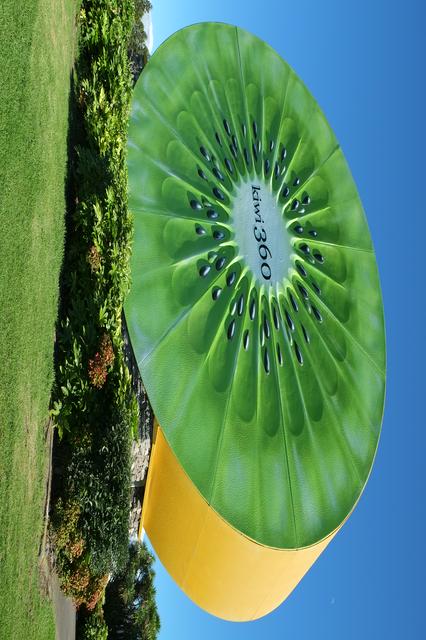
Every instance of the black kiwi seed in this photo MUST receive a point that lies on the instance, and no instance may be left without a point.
(289, 320)
(218, 235)
(316, 287)
(276, 170)
(220, 262)
(293, 302)
(318, 256)
(301, 269)
(303, 291)
(254, 129)
(244, 130)
(230, 278)
(296, 182)
(227, 127)
(266, 326)
(202, 174)
(205, 153)
(313, 233)
(233, 150)
(218, 193)
(233, 308)
(218, 174)
(283, 154)
(196, 205)
(216, 293)
(240, 305)
(279, 354)
(246, 156)
(258, 146)
(306, 335)
(235, 142)
(262, 335)
(295, 205)
(231, 330)
(298, 353)
(254, 151)
(217, 136)
(246, 339)
(252, 310)
(200, 230)
(266, 361)
(229, 166)
(271, 145)
(298, 228)
(316, 313)
(288, 334)
(285, 191)
(204, 270)
(275, 317)
(267, 165)
(212, 214)
(306, 200)
(304, 248)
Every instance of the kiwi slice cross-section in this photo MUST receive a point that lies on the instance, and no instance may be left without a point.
(255, 310)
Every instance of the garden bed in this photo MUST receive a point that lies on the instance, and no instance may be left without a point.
(98, 403)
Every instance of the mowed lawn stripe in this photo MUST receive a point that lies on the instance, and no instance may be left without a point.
(37, 48)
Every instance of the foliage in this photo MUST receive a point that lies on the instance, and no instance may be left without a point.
(78, 582)
(98, 475)
(93, 404)
(66, 535)
(96, 272)
(94, 629)
(91, 624)
(101, 362)
(130, 610)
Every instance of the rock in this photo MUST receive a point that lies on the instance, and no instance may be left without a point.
(139, 461)
(141, 448)
(135, 516)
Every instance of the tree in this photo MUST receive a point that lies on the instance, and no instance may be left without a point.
(137, 50)
(130, 608)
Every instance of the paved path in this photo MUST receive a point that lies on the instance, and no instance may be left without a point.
(65, 613)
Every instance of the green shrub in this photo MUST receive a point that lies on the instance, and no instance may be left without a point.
(91, 624)
(94, 629)
(98, 476)
(78, 581)
(96, 273)
(66, 534)
(93, 404)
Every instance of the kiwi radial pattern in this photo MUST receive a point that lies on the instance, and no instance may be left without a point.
(255, 311)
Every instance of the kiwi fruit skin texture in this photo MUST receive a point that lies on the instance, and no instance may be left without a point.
(278, 437)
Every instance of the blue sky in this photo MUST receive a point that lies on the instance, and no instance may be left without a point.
(364, 63)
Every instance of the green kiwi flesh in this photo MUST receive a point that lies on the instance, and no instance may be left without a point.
(255, 310)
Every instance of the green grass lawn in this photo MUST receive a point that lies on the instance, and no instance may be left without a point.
(37, 48)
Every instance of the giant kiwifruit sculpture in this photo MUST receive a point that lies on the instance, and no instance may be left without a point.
(255, 315)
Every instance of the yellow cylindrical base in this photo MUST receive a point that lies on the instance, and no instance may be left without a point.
(223, 571)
